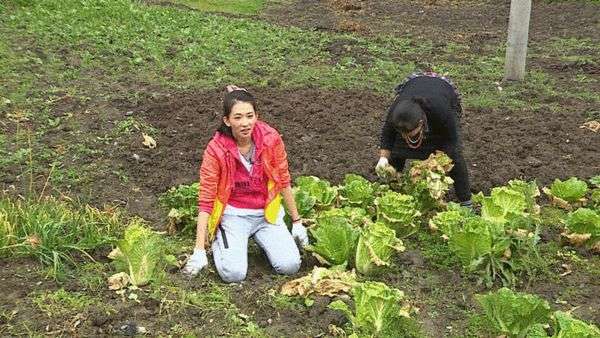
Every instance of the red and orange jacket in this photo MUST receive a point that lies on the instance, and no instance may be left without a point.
(218, 167)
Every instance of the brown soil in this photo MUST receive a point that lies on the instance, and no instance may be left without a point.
(440, 20)
(331, 133)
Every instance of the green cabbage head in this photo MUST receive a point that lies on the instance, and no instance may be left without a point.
(378, 310)
(571, 190)
(142, 254)
(357, 191)
(399, 212)
(320, 189)
(569, 327)
(334, 238)
(514, 314)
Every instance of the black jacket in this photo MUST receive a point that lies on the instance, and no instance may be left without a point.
(442, 132)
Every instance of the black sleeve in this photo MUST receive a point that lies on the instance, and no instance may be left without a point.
(459, 172)
(388, 136)
(450, 127)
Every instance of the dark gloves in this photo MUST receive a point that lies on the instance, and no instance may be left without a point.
(467, 204)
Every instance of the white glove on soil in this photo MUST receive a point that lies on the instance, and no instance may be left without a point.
(196, 263)
(383, 168)
(299, 233)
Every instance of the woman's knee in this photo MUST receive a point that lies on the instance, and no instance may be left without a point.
(288, 265)
(232, 275)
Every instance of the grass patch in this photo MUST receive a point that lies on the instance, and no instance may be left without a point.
(216, 305)
(55, 232)
(122, 40)
(478, 326)
(247, 7)
(435, 250)
(61, 302)
(92, 276)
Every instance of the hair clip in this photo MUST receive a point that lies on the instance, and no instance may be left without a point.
(231, 88)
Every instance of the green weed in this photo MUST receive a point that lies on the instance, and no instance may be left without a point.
(92, 276)
(61, 302)
(226, 6)
(53, 231)
(435, 250)
(131, 124)
(181, 203)
(124, 40)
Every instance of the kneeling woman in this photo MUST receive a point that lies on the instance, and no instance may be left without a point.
(423, 119)
(244, 179)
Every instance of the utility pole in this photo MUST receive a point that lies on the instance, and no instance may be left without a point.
(516, 46)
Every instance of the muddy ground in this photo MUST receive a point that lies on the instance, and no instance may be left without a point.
(331, 133)
(438, 20)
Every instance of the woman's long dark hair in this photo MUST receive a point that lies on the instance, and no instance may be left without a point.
(230, 99)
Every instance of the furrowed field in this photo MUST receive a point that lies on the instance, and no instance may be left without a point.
(107, 105)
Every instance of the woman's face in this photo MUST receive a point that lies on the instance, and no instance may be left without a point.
(241, 120)
(413, 131)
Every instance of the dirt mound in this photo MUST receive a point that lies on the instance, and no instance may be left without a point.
(331, 133)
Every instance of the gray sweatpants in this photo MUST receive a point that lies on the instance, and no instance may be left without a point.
(230, 248)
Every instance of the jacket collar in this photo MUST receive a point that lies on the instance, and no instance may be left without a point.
(260, 133)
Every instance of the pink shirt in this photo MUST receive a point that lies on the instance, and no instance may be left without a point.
(249, 186)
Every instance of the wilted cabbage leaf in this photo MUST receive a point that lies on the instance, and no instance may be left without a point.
(148, 141)
(428, 180)
(118, 281)
(321, 281)
(376, 245)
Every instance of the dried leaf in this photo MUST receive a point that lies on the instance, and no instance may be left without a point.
(321, 281)
(591, 125)
(18, 116)
(596, 247)
(148, 141)
(567, 268)
(118, 281)
(520, 233)
(134, 297)
(577, 239)
(115, 253)
(507, 253)
(33, 240)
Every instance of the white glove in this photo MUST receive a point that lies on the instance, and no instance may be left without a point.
(196, 262)
(299, 233)
(383, 167)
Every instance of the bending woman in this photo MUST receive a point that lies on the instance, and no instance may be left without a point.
(423, 119)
